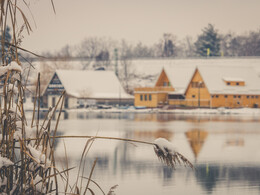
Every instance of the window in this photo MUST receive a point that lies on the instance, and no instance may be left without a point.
(228, 83)
(237, 83)
(197, 84)
(53, 102)
(256, 96)
(193, 96)
(239, 96)
(150, 97)
(165, 84)
(252, 97)
(141, 97)
(212, 96)
(226, 96)
(66, 104)
(145, 97)
(235, 96)
(216, 96)
(248, 97)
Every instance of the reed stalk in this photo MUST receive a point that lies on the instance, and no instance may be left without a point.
(30, 166)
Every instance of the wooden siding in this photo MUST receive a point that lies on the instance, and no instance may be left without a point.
(190, 103)
(158, 94)
(141, 101)
(163, 80)
(235, 100)
(235, 83)
(156, 99)
(197, 93)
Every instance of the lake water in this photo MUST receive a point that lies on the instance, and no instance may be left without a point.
(224, 149)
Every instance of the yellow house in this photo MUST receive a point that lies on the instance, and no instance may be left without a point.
(204, 86)
(158, 95)
(154, 96)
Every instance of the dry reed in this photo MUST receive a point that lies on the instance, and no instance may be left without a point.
(27, 161)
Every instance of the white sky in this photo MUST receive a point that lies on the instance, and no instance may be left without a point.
(135, 20)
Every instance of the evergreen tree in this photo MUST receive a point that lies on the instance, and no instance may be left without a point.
(169, 47)
(208, 43)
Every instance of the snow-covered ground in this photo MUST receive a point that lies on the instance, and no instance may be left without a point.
(221, 111)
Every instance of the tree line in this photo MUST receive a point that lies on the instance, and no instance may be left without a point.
(103, 52)
(208, 43)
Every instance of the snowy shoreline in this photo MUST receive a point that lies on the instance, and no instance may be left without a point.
(222, 111)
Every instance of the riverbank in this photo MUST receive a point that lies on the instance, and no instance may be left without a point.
(224, 111)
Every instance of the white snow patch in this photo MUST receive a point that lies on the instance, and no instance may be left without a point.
(12, 66)
(5, 162)
(164, 145)
(38, 155)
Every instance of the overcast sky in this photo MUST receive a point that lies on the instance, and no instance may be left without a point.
(134, 20)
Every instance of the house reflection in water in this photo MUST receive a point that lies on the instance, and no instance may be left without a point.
(208, 176)
(196, 138)
(151, 135)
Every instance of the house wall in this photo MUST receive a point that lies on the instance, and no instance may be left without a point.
(235, 83)
(53, 99)
(197, 92)
(72, 102)
(162, 99)
(235, 100)
(159, 93)
(148, 103)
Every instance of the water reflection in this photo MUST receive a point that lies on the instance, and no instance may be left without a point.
(158, 117)
(196, 138)
(152, 135)
(223, 150)
(209, 176)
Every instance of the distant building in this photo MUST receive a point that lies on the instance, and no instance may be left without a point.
(205, 86)
(171, 81)
(86, 88)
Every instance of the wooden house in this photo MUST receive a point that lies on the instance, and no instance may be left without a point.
(89, 87)
(170, 84)
(207, 86)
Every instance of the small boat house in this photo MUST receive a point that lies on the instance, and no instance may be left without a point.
(85, 88)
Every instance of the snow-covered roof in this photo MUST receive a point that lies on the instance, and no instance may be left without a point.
(179, 77)
(233, 79)
(92, 84)
(213, 78)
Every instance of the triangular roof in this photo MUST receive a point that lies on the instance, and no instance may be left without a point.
(92, 84)
(179, 77)
(215, 77)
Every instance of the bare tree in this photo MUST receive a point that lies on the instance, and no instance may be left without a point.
(126, 55)
(96, 49)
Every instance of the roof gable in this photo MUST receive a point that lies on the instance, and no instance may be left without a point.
(91, 84)
(199, 79)
(162, 78)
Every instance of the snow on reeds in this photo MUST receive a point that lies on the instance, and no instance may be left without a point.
(168, 155)
(27, 160)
